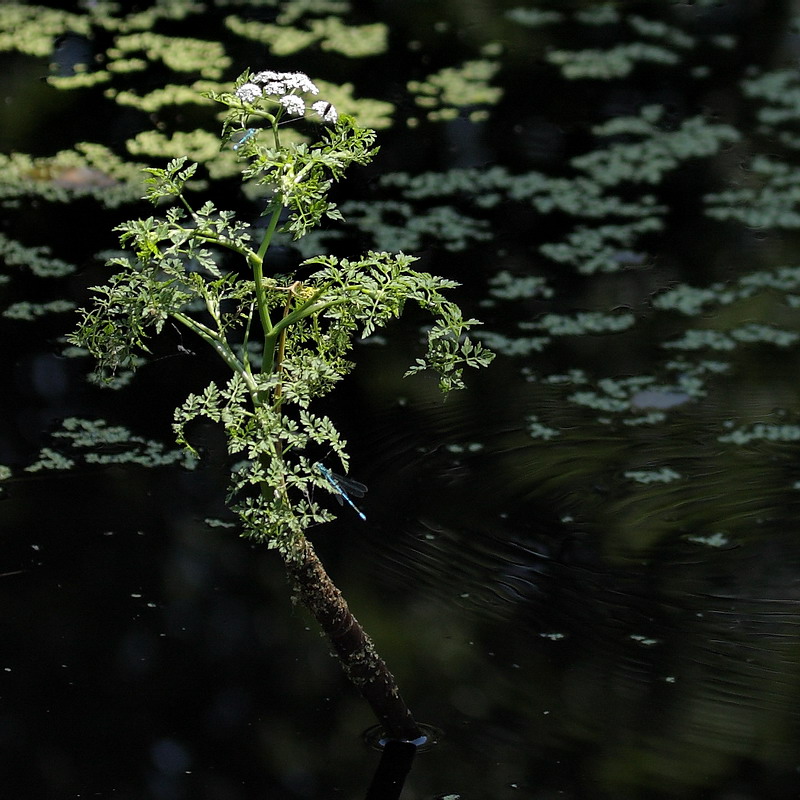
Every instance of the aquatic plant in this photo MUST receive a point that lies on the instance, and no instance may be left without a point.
(285, 338)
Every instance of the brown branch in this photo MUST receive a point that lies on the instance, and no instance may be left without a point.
(352, 646)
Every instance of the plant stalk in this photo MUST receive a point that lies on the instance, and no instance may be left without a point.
(352, 646)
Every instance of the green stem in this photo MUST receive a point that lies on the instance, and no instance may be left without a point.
(305, 310)
(267, 240)
(223, 242)
(257, 264)
(220, 346)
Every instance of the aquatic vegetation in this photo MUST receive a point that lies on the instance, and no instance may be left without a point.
(373, 112)
(84, 80)
(37, 259)
(407, 227)
(663, 475)
(604, 248)
(619, 60)
(31, 29)
(197, 145)
(89, 170)
(513, 345)
(167, 96)
(597, 15)
(693, 301)
(760, 432)
(506, 286)
(205, 58)
(694, 339)
(533, 17)
(28, 311)
(616, 62)
(455, 90)
(330, 33)
(538, 430)
(778, 109)
(717, 539)
(660, 152)
(581, 323)
(50, 459)
(94, 441)
(770, 202)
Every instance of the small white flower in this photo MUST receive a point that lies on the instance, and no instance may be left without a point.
(266, 75)
(300, 81)
(275, 87)
(248, 92)
(281, 83)
(326, 111)
(293, 104)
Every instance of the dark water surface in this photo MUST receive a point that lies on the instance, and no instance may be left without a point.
(585, 569)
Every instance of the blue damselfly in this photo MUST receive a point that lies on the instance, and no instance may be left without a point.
(343, 488)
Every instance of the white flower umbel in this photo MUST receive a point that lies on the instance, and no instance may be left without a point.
(301, 82)
(248, 92)
(274, 88)
(282, 83)
(266, 75)
(326, 111)
(293, 104)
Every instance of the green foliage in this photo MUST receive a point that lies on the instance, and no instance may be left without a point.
(100, 443)
(533, 17)
(285, 341)
(37, 259)
(617, 62)
(772, 201)
(27, 311)
(663, 475)
(90, 170)
(330, 33)
(453, 89)
(180, 54)
(31, 29)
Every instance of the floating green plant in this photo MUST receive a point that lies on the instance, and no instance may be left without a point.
(661, 151)
(37, 259)
(533, 17)
(513, 345)
(616, 62)
(538, 430)
(707, 339)
(401, 225)
(453, 90)
(27, 311)
(203, 57)
(31, 29)
(604, 248)
(718, 539)
(329, 33)
(771, 201)
(90, 170)
(50, 459)
(507, 286)
(761, 432)
(663, 475)
(167, 96)
(778, 111)
(101, 443)
(581, 323)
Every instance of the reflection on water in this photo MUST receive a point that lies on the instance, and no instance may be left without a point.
(585, 568)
